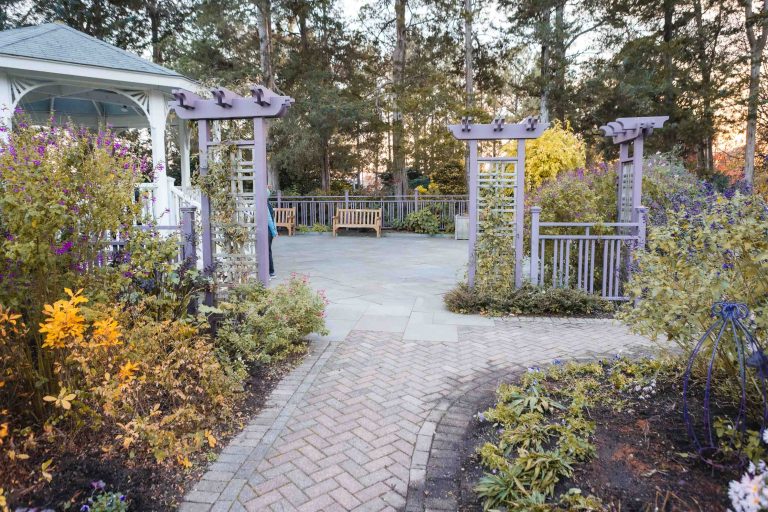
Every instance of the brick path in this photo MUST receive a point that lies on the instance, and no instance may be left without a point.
(352, 427)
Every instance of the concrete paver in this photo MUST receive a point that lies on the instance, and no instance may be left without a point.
(352, 427)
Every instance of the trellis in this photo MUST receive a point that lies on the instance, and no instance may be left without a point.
(500, 177)
(627, 131)
(227, 105)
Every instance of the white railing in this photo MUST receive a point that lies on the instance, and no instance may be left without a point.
(590, 259)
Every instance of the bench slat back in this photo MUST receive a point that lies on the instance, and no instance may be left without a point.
(284, 215)
(362, 217)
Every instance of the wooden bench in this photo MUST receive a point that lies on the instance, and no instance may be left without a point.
(357, 219)
(285, 218)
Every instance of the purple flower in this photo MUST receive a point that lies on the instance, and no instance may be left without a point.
(65, 248)
(98, 485)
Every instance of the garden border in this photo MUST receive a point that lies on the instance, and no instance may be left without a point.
(447, 425)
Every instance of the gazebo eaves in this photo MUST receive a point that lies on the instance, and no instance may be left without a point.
(42, 69)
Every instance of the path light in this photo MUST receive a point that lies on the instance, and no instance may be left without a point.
(749, 354)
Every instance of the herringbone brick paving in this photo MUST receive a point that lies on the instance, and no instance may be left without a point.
(352, 442)
(352, 427)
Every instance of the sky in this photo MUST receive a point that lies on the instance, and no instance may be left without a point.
(351, 7)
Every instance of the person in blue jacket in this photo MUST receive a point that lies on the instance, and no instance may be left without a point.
(272, 233)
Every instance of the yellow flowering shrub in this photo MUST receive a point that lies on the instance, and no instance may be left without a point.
(557, 150)
(157, 387)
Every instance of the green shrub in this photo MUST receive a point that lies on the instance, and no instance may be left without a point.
(707, 252)
(450, 178)
(527, 300)
(267, 325)
(314, 228)
(423, 221)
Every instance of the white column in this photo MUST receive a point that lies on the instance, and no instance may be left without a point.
(6, 106)
(184, 141)
(158, 111)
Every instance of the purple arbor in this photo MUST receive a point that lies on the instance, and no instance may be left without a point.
(227, 105)
(502, 180)
(626, 131)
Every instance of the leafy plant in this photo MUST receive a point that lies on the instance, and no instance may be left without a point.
(527, 300)
(538, 440)
(706, 253)
(265, 325)
(557, 150)
(314, 228)
(423, 221)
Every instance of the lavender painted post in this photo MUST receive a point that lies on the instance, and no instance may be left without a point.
(205, 207)
(637, 175)
(535, 216)
(623, 157)
(473, 214)
(260, 197)
(519, 211)
(642, 224)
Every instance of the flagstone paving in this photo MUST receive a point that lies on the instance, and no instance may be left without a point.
(351, 428)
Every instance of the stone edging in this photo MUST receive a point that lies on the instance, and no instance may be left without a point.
(447, 422)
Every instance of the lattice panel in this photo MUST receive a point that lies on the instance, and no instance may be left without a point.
(496, 195)
(235, 244)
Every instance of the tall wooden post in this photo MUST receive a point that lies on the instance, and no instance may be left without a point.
(473, 213)
(519, 211)
(535, 216)
(205, 207)
(260, 197)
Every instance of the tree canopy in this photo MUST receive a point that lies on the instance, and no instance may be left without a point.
(375, 89)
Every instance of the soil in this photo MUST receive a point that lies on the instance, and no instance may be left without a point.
(149, 487)
(643, 462)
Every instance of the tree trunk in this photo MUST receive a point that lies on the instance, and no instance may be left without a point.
(756, 47)
(325, 178)
(267, 71)
(544, 95)
(559, 65)
(400, 173)
(706, 153)
(265, 42)
(469, 74)
(668, 88)
(153, 13)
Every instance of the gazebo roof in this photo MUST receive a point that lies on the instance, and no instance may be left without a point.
(56, 70)
(59, 43)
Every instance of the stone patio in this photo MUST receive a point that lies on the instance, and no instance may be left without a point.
(351, 428)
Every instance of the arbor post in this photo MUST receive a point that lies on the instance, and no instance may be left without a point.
(535, 216)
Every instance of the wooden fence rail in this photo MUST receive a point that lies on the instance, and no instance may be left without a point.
(312, 210)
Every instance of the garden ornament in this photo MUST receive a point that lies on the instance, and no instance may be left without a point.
(727, 332)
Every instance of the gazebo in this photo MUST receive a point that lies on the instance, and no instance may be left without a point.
(55, 70)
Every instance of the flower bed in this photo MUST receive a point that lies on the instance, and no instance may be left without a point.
(105, 375)
(600, 436)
